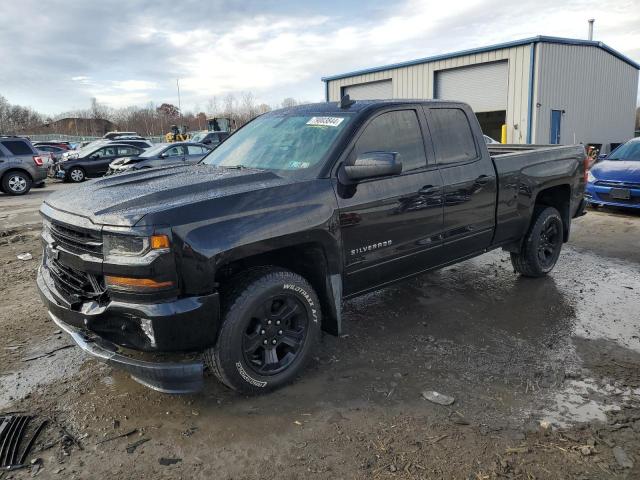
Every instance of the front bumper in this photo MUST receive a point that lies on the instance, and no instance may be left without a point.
(179, 377)
(601, 195)
(39, 174)
(185, 325)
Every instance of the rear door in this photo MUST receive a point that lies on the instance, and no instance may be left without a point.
(391, 226)
(469, 178)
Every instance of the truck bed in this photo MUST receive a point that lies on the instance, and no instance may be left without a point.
(523, 171)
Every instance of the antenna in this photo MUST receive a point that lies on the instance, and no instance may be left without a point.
(346, 102)
(179, 105)
(591, 20)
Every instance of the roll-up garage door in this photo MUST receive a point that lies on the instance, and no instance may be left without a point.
(484, 86)
(381, 90)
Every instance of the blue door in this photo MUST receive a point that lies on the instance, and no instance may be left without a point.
(556, 117)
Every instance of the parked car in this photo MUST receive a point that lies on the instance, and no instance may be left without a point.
(615, 179)
(54, 143)
(21, 166)
(93, 161)
(134, 140)
(54, 151)
(213, 139)
(161, 155)
(114, 134)
(247, 255)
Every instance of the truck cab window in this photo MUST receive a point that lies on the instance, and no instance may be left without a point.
(397, 131)
(452, 136)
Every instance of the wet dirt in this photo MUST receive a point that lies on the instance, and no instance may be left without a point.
(545, 374)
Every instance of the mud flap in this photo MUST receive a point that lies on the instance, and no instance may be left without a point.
(332, 306)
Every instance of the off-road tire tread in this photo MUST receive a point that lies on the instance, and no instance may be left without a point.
(237, 293)
(524, 261)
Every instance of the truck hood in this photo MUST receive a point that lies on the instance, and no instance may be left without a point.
(125, 199)
(617, 170)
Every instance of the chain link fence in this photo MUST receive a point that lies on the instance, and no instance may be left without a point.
(47, 137)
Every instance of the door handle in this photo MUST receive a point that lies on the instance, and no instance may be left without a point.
(483, 180)
(429, 190)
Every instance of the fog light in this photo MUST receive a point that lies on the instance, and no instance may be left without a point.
(147, 328)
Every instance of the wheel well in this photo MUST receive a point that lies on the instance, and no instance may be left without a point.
(308, 260)
(558, 197)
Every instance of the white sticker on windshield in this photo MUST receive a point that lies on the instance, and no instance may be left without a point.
(325, 121)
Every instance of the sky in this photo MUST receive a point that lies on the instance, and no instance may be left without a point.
(58, 54)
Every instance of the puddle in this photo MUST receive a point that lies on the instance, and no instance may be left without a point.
(38, 372)
(582, 401)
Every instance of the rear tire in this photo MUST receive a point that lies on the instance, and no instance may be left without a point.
(16, 182)
(542, 244)
(271, 323)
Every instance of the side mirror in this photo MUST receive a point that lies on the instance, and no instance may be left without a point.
(602, 156)
(207, 141)
(163, 155)
(373, 164)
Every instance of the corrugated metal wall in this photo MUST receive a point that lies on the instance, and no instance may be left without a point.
(596, 90)
(417, 81)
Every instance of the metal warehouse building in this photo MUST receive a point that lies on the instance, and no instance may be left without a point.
(544, 89)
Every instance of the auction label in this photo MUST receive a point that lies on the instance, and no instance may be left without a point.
(325, 121)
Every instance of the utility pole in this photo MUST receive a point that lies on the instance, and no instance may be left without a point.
(179, 105)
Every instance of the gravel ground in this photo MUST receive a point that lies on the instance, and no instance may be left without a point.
(545, 376)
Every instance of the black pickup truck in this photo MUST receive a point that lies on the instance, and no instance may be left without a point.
(238, 263)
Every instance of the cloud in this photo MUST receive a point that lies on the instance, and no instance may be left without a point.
(133, 85)
(121, 51)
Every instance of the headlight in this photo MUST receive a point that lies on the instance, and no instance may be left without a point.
(132, 245)
(590, 177)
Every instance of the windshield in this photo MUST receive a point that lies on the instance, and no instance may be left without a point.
(198, 137)
(90, 148)
(153, 151)
(628, 151)
(287, 143)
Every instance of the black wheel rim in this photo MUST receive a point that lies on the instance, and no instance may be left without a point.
(549, 242)
(275, 335)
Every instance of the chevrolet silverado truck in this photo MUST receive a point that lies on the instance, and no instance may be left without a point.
(238, 263)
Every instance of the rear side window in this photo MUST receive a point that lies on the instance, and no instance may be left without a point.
(17, 147)
(395, 132)
(127, 151)
(452, 137)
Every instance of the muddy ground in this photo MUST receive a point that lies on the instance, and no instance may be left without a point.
(545, 375)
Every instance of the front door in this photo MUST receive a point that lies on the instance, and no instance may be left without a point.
(556, 120)
(391, 226)
(100, 160)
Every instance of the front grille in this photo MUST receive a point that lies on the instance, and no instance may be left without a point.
(77, 240)
(608, 183)
(73, 284)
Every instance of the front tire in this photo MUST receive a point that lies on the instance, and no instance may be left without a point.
(271, 323)
(16, 183)
(76, 175)
(542, 244)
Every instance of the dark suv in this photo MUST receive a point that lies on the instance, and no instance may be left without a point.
(21, 166)
(93, 161)
(212, 139)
